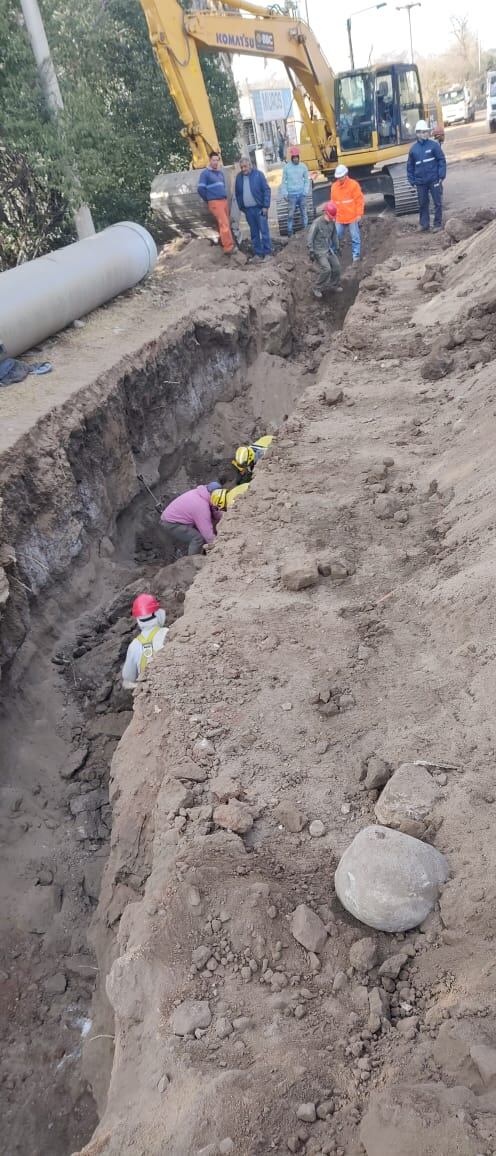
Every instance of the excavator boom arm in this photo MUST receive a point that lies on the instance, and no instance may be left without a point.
(177, 54)
(176, 36)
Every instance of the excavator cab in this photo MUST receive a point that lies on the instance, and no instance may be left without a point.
(377, 109)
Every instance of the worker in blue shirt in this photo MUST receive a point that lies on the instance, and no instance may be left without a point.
(426, 170)
(252, 193)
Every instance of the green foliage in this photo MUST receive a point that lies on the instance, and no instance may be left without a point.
(120, 125)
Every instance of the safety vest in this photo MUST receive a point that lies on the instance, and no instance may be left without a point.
(147, 651)
(263, 443)
(235, 493)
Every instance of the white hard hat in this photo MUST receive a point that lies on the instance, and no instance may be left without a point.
(421, 126)
(341, 171)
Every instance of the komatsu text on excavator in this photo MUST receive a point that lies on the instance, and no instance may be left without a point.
(364, 118)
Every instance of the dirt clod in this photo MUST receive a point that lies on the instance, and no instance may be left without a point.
(308, 929)
(234, 816)
(299, 574)
(307, 1113)
(189, 1016)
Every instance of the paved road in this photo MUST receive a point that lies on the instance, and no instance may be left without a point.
(470, 140)
(471, 154)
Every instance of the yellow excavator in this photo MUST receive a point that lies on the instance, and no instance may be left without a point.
(364, 118)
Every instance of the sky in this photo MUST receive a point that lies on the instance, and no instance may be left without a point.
(384, 31)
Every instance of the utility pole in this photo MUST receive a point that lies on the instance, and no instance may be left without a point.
(350, 42)
(408, 8)
(53, 98)
(371, 7)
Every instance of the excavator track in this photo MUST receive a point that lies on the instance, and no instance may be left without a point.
(282, 215)
(405, 198)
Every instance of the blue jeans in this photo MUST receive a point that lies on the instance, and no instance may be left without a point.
(259, 231)
(297, 201)
(436, 192)
(356, 240)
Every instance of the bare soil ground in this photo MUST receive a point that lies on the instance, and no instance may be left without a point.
(403, 643)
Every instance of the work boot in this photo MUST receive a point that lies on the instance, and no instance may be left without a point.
(437, 229)
(336, 289)
(316, 293)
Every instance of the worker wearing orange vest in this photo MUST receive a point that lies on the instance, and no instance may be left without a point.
(349, 200)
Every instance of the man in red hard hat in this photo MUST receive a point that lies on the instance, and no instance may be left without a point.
(295, 187)
(152, 634)
(322, 244)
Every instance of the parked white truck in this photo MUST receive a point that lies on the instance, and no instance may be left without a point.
(491, 101)
(456, 104)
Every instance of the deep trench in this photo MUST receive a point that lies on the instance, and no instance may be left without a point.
(64, 710)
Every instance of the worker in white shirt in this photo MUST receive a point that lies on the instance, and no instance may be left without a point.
(152, 634)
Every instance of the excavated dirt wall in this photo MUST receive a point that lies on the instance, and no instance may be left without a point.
(222, 1033)
(64, 485)
(79, 538)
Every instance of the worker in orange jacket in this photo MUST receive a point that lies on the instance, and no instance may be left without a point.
(348, 197)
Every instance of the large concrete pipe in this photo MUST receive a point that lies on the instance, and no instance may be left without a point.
(41, 297)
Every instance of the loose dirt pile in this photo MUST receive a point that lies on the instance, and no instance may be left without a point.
(258, 748)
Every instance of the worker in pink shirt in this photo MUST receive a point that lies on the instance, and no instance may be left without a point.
(191, 519)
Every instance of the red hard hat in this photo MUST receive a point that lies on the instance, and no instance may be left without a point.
(294, 152)
(330, 209)
(144, 606)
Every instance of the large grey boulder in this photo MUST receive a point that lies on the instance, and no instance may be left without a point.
(408, 799)
(389, 880)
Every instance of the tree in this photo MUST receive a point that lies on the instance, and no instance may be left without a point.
(120, 124)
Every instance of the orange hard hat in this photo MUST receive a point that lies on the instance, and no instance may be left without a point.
(144, 606)
(330, 209)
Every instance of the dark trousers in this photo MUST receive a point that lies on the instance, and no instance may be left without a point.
(330, 271)
(259, 231)
(185, 535)
(436, 192)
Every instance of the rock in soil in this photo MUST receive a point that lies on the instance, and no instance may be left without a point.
(189, 1016)
(299, 574)
(234, 816)
(408, 799)
(393, 964)
(378, 773)
(364, 954)
(388, 880)
(308, 928)
(307, 1113)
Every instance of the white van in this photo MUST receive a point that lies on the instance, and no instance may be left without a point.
(457, 104)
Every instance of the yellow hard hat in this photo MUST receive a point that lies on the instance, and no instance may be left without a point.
(244, 456)
(218, 498)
